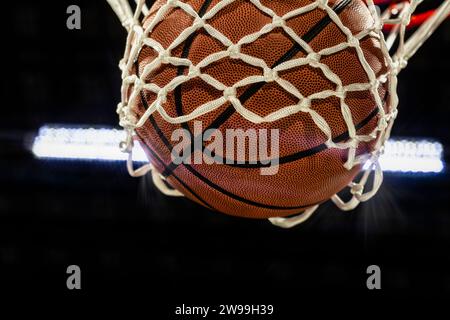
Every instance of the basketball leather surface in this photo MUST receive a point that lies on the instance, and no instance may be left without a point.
(309, 174)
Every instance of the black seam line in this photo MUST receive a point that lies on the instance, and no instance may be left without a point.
(295, 156)
(156, 157)
(186, 49)
(180, 70)
(207, 181)
(210, 183)
(229, 111)
(236, 197)
(305, 153)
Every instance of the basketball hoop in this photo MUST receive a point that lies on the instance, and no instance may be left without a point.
(389, 29)
(400, 16)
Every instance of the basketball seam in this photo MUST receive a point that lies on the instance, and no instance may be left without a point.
(228, 193)
(229, 111)
(212, 184)
(186, 50)
(155, 155)
(304, 153)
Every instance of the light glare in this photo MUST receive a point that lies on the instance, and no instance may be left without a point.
(103, 145)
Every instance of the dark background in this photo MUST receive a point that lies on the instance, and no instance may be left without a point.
(128, 238)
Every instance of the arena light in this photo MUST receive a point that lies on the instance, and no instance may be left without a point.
(401, 155)
(82, 144)
(419, 156)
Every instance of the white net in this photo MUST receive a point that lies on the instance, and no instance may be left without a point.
(139, 36)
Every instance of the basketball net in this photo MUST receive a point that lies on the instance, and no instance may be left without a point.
(397, 16)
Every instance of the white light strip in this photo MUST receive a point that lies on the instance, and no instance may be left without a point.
(412, 156)
(103, 144)
(83, 144)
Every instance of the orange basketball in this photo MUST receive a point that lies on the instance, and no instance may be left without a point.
(309, 172)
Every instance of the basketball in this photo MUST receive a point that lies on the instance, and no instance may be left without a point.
(309, 172)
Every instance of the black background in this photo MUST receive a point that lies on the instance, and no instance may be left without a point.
(128, 238)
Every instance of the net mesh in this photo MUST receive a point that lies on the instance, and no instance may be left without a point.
(139, 36)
